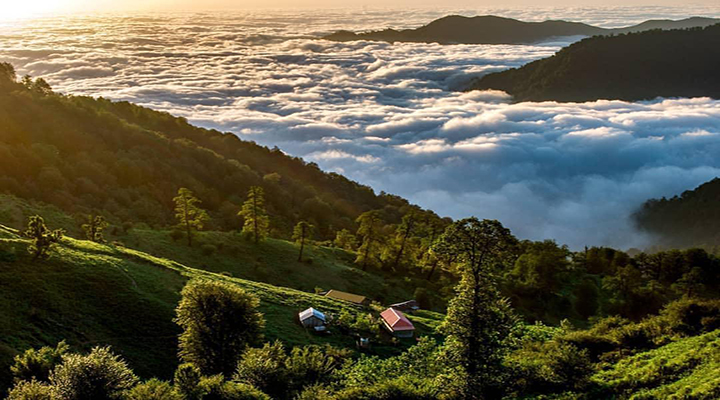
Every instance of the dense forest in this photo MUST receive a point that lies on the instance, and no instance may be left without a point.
(635, 66)
(691, 219)
(127, 162)
(190, 253)
(489, 29)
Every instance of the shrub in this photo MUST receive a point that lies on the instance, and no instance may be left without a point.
(153, 390)
(99, 375)
(265, 369)
(216, 388)
(219, 321)
(32, 390)
(37, 364)
(176, 235)
(187, 381)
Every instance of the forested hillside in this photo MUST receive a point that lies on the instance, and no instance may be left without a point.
(127, 162)
(635, 66)
(690, 219)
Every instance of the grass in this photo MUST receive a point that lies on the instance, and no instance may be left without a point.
(686, 369)
(92, 294)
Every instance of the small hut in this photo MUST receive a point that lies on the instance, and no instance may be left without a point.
(349, 297)
(397, 323)
(312, 318)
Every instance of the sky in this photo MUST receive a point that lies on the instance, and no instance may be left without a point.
(14, 8)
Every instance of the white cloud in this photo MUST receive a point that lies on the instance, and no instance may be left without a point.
(385, 114)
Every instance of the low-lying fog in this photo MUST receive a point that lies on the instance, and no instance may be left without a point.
(384, 115)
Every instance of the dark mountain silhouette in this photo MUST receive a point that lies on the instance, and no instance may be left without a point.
(691, 219)
(498, 30)
(635, 66)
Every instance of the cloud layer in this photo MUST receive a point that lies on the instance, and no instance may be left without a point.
(385, 114)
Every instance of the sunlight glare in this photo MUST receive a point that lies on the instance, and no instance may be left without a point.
(13, 10)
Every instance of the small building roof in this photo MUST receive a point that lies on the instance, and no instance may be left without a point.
(310, 312)
(410, 304)
(353, 298)
(396, 320)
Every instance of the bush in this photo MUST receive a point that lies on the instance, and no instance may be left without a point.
(403, 388)
(32, 390)
(37, 364)
(153, 390)
(265, 369)
(100, 375)
(187, 381)
(176, 235)
(219, 321)
(215, 388)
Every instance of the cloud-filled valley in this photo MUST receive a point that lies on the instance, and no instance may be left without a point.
(385, 115)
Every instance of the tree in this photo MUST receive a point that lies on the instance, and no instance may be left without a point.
(7, 73)
(478, 320)
(42, 238)
(256, 222)
(403, 233)
(369, 232)
(32, 390)
(100, 375)
(345, 240)
(302, 232)
(219, 320)
(188, 214)
(94, 228)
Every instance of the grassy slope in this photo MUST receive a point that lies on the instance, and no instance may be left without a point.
(93, 294)
(686, 369)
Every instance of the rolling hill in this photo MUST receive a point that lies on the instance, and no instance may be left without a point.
(489, 29)
(635, 66)
(94, 294)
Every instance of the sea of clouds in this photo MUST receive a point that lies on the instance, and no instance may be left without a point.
(386, 115)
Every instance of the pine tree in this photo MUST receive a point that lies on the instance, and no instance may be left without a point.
(479, 320)
(302, 232)
(369, 232)
(94, 228)
(42, 238)
(253, 211)
(190, 217)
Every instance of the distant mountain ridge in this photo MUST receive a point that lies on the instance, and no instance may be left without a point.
(490, 29)
(631, 67)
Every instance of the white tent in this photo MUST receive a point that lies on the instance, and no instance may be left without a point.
(311, 318)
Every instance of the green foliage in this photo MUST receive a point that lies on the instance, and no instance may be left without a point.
(479, 320)
(189, 216)
(344, 239)
(547, 367)
(219, 321)
(7, 73)
(94, 228)
(215, 388)
(256, 222)
(301, 234)
(684, 369)
(37, 364)
(369, 234)
(187, 381)
(42, 238)
(153, 389)
(100, 375)
(32, 390)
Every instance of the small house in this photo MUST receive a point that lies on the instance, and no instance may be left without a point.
(397, 323)
(410, 305)
(312, 318)
(352, 298)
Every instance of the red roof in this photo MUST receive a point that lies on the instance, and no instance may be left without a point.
(397, 320)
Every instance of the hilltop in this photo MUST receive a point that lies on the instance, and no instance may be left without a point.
(489, 29)
(690, 219)
(126, 162)
(635, 66)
